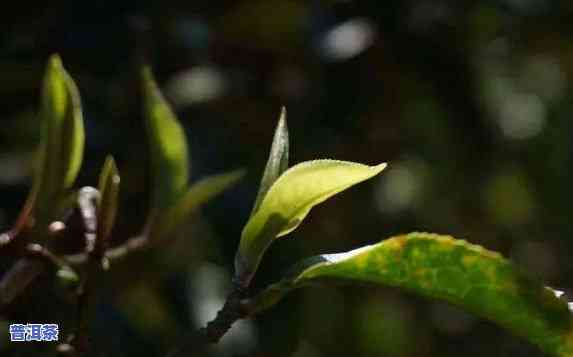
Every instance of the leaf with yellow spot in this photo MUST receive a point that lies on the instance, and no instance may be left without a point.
(441, 267)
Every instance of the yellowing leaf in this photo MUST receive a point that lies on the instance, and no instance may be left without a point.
(441, 267)
(168, 145)
(289, 200)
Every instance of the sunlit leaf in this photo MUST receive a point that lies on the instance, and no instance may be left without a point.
(289, 200)
(197, 195)
(107, 209)
(62, 146)
(168, 145)
(441, 267)
(278, 160)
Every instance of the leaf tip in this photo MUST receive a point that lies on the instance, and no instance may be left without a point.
(283, 116)
(238, 174)
(110, 167)
(282, 128)
(55, 62)
(146, 73)
(380, 167)
(148, 80)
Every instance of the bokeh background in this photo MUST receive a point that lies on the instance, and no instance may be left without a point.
(471, 103)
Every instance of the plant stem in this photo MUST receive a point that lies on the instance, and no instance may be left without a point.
(232, 311)
(36, 259)
(87, 200)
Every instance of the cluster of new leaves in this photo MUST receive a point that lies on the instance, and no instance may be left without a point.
(52, 198)
(287, 195)
(439, 267)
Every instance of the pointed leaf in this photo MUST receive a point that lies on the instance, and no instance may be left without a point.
(108, 187)
(62, 146)
(289, 200)
(168, 145)
(277, 162)
(205, 190)
(197, 195)
(441, 267)
(72, 134)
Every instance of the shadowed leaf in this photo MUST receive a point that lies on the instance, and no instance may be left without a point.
(62, 145)
(197, 195)
(168, 145)
(109, 181)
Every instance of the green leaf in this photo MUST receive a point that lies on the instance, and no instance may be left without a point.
(287, 203)
(197, 195)
(168, 145)
(205, 190)
(441, 267)
(61, 150)
(68, 276)
(277, 162)
(107, 208)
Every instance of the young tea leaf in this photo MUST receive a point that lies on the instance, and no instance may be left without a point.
(168, 145)
(72, 134)
(107, 208)
(277, 162)
(444, 268)
(206, 189)
(197, 195)
(289, 200)
(62, 146)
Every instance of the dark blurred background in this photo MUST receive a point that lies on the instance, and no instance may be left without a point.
(470, 103)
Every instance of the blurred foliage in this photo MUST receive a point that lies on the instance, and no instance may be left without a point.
(469, 102)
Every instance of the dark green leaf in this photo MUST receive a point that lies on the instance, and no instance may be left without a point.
(441, 267)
